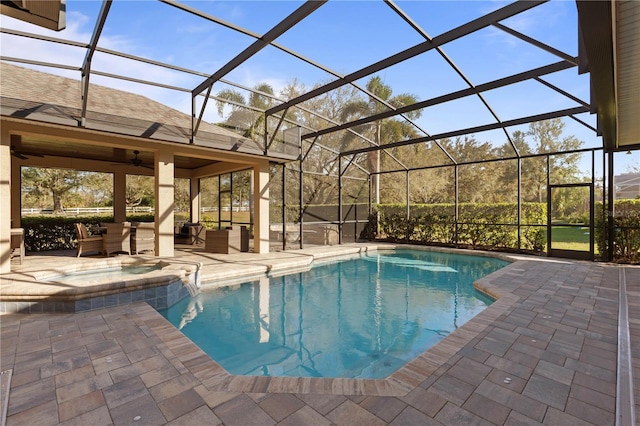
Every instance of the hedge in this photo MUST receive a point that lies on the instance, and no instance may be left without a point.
(626, 222)
(44, 233)
(480, 225)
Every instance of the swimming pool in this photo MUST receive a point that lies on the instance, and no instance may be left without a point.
(359, 318)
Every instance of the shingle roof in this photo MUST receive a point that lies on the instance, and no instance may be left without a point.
(36, 95)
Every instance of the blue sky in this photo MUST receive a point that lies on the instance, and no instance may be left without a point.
(341, 35)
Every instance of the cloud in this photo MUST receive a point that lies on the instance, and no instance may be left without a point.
(80, 28)
(533, 22)
(31, 49)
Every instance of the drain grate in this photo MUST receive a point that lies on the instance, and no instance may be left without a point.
(5, 384)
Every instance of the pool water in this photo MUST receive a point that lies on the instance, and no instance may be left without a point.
(358, 318)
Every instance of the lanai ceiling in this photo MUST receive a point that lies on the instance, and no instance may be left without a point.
(494, 66)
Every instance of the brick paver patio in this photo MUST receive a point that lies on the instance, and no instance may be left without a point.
(544, 353)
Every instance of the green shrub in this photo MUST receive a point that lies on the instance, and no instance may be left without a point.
(43, 233)
(138, 217)
(626, 222)
(370, 228)
(480, 225)
(533, 238)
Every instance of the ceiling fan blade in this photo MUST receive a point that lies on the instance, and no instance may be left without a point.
(16, 153)
(20, 156)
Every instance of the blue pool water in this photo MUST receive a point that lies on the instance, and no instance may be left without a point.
(358, 318)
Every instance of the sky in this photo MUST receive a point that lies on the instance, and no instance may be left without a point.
(343, 36)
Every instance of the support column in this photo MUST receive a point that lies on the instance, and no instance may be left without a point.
(164, 174)
(261, 207)
(16, 193)
(301, 206)
(611, 226)
(5, 202)
(119, 196)
(340, 199)
(519, 203)
(407, 194)
(195, 199)
(456, 210)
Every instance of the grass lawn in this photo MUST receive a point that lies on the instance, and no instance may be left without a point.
(570, 238)
(210, 219)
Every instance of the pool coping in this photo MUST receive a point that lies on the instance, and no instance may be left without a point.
(39, 285)
(399, 383)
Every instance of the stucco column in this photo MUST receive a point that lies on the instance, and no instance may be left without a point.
(119, 196)
(164, 173)
(16, 193)
(195, 199)
(261, 207)
(5, 201)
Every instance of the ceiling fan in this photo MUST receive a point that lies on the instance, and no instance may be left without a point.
(136, 162)
(23, 155)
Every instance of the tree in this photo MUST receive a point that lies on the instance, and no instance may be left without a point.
(547, 138)
(182, 194)
(96, 191)
(544, 137)
(320, 181)
(241, 186)
(243, 114)
(477, 182)
(380, 131)
(140, 191)
(56, 183)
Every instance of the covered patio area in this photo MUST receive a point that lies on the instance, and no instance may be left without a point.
(120, 146)
(545, 353)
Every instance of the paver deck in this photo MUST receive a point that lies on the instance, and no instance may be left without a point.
(544, 353)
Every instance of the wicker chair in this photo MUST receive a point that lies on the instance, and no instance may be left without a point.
(117, 238)
(17, 242)
(86, 242)
(144, 238)
(188, 233)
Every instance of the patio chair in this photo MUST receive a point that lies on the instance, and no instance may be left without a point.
(188, 233)
(231, 240)
(17, 242)
(117, 238)
(144, 237)
(86, 242)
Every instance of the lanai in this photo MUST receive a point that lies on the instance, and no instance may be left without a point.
(601, 25)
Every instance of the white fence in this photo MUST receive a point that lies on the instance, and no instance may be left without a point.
(109, 210)
(225, 209)
(86, 210)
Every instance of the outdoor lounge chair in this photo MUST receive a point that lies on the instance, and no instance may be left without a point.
(144, 238)
(86, 242)
(188, 233)
(117, 238)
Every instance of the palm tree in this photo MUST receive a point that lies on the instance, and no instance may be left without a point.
(380, 131)
(244, 112)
